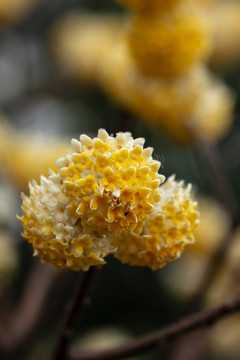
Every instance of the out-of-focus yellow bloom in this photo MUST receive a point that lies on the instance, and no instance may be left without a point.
(226, 282)
(224, 17)
(214, 226)
(25, 156)
(213, 112)
(80, 42)
(105, 191)
(12, 10)
(36, 156)
(193, 102)
(166, 42)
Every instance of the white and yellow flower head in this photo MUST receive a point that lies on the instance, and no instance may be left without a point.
(107, 193)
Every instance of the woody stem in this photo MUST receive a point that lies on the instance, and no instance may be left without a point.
(74, 308)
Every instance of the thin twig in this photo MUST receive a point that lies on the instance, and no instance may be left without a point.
(157, 338)
(74, 309)
(190, 346)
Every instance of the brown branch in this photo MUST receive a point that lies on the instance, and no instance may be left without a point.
(75, 307)
(157, 338)
(190, 346)
(25, 318)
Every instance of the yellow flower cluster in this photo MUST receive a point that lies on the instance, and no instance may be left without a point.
(107, 198)
(165, 42)
(12, 10)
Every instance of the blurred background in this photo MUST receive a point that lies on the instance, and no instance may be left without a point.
(44, 102)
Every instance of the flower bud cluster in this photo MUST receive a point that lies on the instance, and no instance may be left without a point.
(108, 198)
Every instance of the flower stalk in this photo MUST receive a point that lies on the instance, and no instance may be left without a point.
(74, 308)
